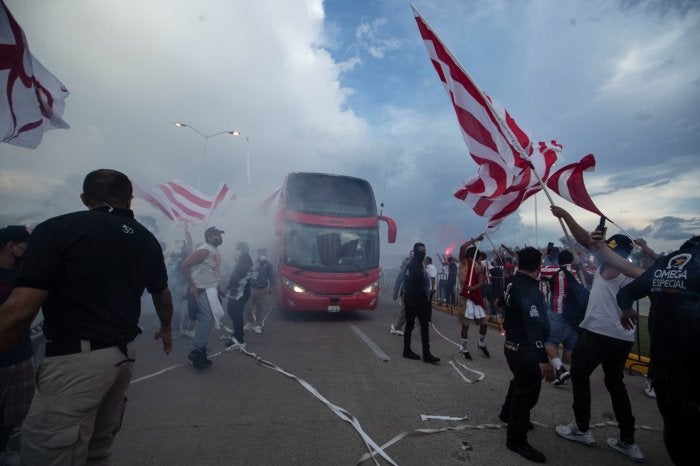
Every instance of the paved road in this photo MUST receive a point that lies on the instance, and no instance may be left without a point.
(242, 413)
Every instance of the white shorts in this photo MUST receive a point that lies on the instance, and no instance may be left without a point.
(474, 311)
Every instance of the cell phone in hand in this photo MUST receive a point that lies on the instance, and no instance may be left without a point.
(601, 225)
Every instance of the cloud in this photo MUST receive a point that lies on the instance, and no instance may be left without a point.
(370, 37)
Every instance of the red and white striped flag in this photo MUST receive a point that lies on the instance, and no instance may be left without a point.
(568, 183)
(32, 99)
(494, 140)
(181, 202)
(497, 209)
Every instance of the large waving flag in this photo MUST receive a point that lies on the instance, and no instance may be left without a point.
(183, 203)
(568, 183)
(32, 99)
(494, 140)
(498, 208)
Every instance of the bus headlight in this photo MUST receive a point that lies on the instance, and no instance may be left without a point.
(293, 286)
(370, 288)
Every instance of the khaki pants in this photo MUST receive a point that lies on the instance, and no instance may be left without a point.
(77, 408)
(255, 311)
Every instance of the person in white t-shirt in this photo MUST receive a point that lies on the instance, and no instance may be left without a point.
(432, 275)
(602, 341)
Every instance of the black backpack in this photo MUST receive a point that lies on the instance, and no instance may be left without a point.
(575, 301)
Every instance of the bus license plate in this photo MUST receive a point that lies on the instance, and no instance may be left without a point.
(333, 308)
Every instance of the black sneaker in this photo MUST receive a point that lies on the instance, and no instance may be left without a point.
(561, 376)
(484, 351)
(410, 355)
(527, 451)
(430, 358)
(199, 359)
(467, 355)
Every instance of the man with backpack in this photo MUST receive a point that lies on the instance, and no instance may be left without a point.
(602, 341)
(568, 297)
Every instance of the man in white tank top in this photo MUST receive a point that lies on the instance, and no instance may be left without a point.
(602, 341)
(202, 270)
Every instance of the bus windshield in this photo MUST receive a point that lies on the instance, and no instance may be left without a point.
(337, 196)
(329, 249)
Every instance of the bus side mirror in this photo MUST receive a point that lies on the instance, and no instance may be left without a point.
(391, 225)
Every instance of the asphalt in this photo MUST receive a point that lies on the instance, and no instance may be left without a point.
(241, 412)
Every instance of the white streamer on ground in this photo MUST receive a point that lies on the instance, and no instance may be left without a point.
(454, 362)
(340, 412)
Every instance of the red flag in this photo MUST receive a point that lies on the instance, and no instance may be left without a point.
(568, 183)
(33, 99)
(495, 141)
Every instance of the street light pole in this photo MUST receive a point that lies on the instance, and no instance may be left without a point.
(204, 149)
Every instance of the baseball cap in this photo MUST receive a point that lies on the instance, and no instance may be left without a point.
(621, 244)
(213, 231)
(16, 233)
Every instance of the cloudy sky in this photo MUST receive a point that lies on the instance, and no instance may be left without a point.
(346, 87)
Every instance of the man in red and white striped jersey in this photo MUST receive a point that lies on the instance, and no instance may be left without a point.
(560, 331)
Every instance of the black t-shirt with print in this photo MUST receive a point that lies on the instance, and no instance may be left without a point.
(95, 265)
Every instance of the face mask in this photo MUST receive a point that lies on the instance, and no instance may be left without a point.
(218, 242)
(419, 255)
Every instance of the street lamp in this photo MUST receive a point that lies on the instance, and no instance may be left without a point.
(204, 149)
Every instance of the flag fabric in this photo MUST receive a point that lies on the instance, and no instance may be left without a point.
(183, 203)
(151, 199)
(568, 183)
(495, 141)
(525, 185)
(32, 100)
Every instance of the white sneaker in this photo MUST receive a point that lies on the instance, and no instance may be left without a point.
(248, 327)
(572, 433)
(225, 336)
(257, 328)
(392, 330)
(399, 332)
(648, 389)
(187, 333)
(630, 449)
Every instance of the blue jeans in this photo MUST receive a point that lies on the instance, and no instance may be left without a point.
(205, 319)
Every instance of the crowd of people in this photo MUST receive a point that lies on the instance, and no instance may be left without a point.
(560, 309)
(87, 272)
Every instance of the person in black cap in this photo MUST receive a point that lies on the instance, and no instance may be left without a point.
(87, 271)
(416, 302)
(16, 367)
(602, 341)
(673, 285)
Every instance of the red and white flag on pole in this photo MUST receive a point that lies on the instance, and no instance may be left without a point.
(32, 100)
(494, 140)
(181, 202)
(497, 209)
(568, 183)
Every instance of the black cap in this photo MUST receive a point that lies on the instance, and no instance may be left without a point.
(213, 231)
(621, 244)
(15, 233)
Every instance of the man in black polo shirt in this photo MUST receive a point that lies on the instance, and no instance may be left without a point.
(87, 270)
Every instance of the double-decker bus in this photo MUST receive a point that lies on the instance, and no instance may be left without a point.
(328, 254)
